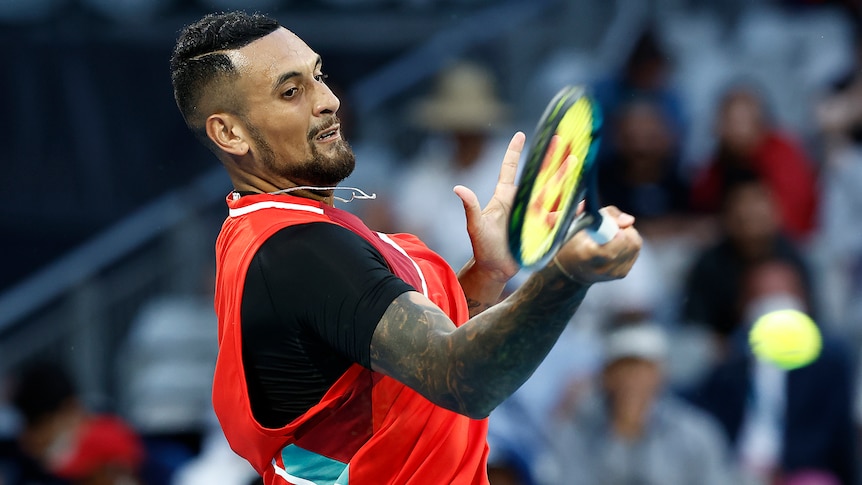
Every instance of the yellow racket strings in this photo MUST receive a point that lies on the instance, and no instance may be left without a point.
(556, 182)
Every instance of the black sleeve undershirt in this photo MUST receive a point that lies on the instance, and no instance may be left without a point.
(313, 296)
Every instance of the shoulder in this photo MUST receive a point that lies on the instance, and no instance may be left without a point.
(786, 151)
(406, 240)
(315, 235)
(315, 242)
(251, 222)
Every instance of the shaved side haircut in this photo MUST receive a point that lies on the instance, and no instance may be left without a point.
(200, 64)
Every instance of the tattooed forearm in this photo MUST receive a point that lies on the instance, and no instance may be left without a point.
(472, 369)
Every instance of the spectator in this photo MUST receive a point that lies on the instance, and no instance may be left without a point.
(645, 75)
(105, 451)
(69, 441)
(20, 463)
(640, 156)
(783, 425)
(463, 115)
(749, 144)
(633, 430)
(642, 174)
(750, 233)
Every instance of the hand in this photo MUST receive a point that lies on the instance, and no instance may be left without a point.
(487, 227)
(588, 262)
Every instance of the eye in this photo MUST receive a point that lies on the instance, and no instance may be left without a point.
(290, 93)
(321, 77)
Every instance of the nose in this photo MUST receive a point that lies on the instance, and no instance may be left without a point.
(327, 102)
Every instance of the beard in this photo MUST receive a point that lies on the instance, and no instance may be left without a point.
(321, 170)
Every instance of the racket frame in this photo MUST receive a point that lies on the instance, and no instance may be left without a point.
(600, 228)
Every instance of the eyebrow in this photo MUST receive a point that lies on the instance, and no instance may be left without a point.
(291, 74)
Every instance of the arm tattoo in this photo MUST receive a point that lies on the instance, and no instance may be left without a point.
(473, 368)
(476, 307)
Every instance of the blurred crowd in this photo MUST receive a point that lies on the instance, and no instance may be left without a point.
(656, 382)
(747, 188)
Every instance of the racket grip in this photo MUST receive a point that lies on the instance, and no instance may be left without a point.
(606, 231)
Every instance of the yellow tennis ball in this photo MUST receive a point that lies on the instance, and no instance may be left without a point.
(787, 338)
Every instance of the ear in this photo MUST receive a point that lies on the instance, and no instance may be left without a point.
(227, 133)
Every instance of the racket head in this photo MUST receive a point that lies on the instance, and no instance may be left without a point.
(551, 184)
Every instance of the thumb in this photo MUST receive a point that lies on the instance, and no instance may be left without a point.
(472, 208)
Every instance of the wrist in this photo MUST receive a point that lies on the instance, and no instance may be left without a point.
(488, 274)
(572, 277)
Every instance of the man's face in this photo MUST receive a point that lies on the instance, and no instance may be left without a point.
(751, 219)
(632, 379)
(645, 141)
(741, 124)
(289, 113)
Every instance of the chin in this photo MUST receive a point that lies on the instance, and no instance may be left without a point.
(333, 171)
(343, 162)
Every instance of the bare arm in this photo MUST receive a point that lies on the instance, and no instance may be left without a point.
(473, 368)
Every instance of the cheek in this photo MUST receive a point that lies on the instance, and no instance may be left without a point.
(292, 143)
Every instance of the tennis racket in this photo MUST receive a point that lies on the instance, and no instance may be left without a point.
(553, 184)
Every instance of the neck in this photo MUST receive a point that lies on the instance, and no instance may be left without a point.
(265, 187)
(247, 181)
(320, 194)
(629, 427)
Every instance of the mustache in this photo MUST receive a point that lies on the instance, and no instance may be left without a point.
(323, 125)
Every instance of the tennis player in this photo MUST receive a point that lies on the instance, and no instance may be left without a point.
(348, 356)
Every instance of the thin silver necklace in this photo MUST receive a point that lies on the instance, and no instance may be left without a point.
(355, 193)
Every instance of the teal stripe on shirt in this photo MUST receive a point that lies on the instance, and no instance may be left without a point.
(313, 467)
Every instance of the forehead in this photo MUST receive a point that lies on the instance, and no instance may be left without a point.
(742, 103)
(642, 115)
(275, 53)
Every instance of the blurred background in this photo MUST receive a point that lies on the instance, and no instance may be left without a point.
(733, 132)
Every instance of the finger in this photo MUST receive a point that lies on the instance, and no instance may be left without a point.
(472, 208)
(615, 259)
(627, 253)
(509, 168)
(625, 247)
(623, 219)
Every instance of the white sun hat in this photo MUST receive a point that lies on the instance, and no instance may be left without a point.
(464, 99)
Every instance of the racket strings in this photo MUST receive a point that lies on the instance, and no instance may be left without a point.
(558, 178)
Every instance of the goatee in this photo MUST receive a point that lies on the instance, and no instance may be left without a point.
(320, 169)
(328, 169)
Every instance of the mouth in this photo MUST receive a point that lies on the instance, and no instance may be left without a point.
(330, 134)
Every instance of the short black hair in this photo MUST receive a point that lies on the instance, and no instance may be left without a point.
(42, 389)
(199, 59)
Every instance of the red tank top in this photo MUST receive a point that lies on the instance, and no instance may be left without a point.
(367, 428)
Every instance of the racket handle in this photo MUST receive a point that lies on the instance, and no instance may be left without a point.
(606, 231)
